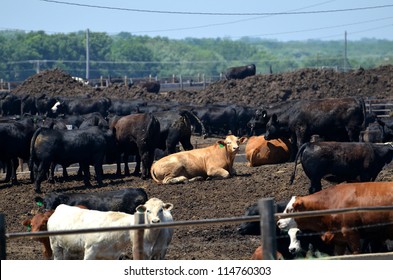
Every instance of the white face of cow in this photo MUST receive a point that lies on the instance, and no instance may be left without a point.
(287, 223)
(55, 107)
(155, 209)
(233, 143)
(294, 246)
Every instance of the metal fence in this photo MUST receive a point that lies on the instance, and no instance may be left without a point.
(267, 223)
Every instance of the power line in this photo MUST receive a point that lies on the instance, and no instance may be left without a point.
(219, 13)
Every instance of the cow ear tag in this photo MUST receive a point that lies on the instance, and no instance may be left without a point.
(39, 203)
(28, 228)
(221, 145)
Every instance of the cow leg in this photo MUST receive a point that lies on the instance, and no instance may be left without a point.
(315, 186)
(86, 171)
(8, 171)
(220, 173)
(99, 174)
(125, 161)
(15, 164)
(40, 173)
(176, 180)
(353, 240)
(186, 144)
(137, 169)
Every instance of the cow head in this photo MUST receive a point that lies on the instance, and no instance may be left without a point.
(287, 223)
(232, 143)
(275, 130)
(154, 210)
(258, 121)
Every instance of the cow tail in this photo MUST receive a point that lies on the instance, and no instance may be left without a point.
(32, 149)
(153, 174)
(299, 153)
(363, 105)
(191, 115)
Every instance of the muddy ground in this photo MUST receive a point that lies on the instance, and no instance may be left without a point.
(192, 201)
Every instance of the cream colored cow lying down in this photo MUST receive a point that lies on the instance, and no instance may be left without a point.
(213, 162)
(108, 245)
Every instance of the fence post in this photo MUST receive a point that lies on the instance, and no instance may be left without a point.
(268, 228)
(137, 248)
(2, 238)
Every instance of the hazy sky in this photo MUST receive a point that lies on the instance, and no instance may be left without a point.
(281, 19)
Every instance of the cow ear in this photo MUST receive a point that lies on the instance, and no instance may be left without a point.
(274, 118)
(26, 222)
(168, 206)
(327, 237)
(221, 142)
(298, 205)
(243, 140)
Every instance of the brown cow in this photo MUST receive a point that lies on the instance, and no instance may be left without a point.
(260, 151)
(345, 230)
(38, 223)
(258, 254)
(215, 161)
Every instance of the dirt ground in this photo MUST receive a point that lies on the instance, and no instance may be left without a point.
(192, 201)
(208, 199)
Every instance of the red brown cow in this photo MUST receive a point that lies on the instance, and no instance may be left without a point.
(39, 223)
(345, 230)
(215, 161)
(258, 254)
(260, 151)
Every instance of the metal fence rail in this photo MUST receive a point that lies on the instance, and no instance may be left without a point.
(267, 221)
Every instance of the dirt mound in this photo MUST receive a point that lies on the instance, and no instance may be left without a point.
(255, 91)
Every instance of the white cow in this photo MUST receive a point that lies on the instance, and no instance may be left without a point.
(108, 245)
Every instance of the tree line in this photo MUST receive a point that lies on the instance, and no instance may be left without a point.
(23, 54)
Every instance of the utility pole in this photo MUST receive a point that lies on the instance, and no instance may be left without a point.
(87, 56)
(345, 52)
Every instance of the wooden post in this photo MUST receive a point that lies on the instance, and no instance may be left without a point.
(2, 238)
(125, 81)
(137, 248)
(181, 82)
(268, 228)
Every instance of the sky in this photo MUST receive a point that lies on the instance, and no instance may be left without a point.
(282, 20)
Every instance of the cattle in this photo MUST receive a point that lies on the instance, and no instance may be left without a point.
(87, 147)
(123, 107)
(333, 119)
(10, 104)
(175, 127)
(376, 132)
(151, 86)
(15, 137)
(308, 244)
(254, 228)
(260, 151)
(39, 223)
(125, 200)
(240, 72)
(212, 162)
(219, 120)
(139, 135)
(109, 245)
(345, 230)
(342, 161)
(80, 106)
(258, 254)
(261, 116)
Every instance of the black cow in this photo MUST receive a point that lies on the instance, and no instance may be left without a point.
(15, 137)
(342, 161)
(44, 104)
(80, 106)
(151, 86)
(219, 120)
(124, 107)
(257, 123)
(10, 104)
(333, 119)
(175, 127)
(139, 135)
(254, 228)
(86, 147)
(125, 200)
(376, 132)
(240, 72)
